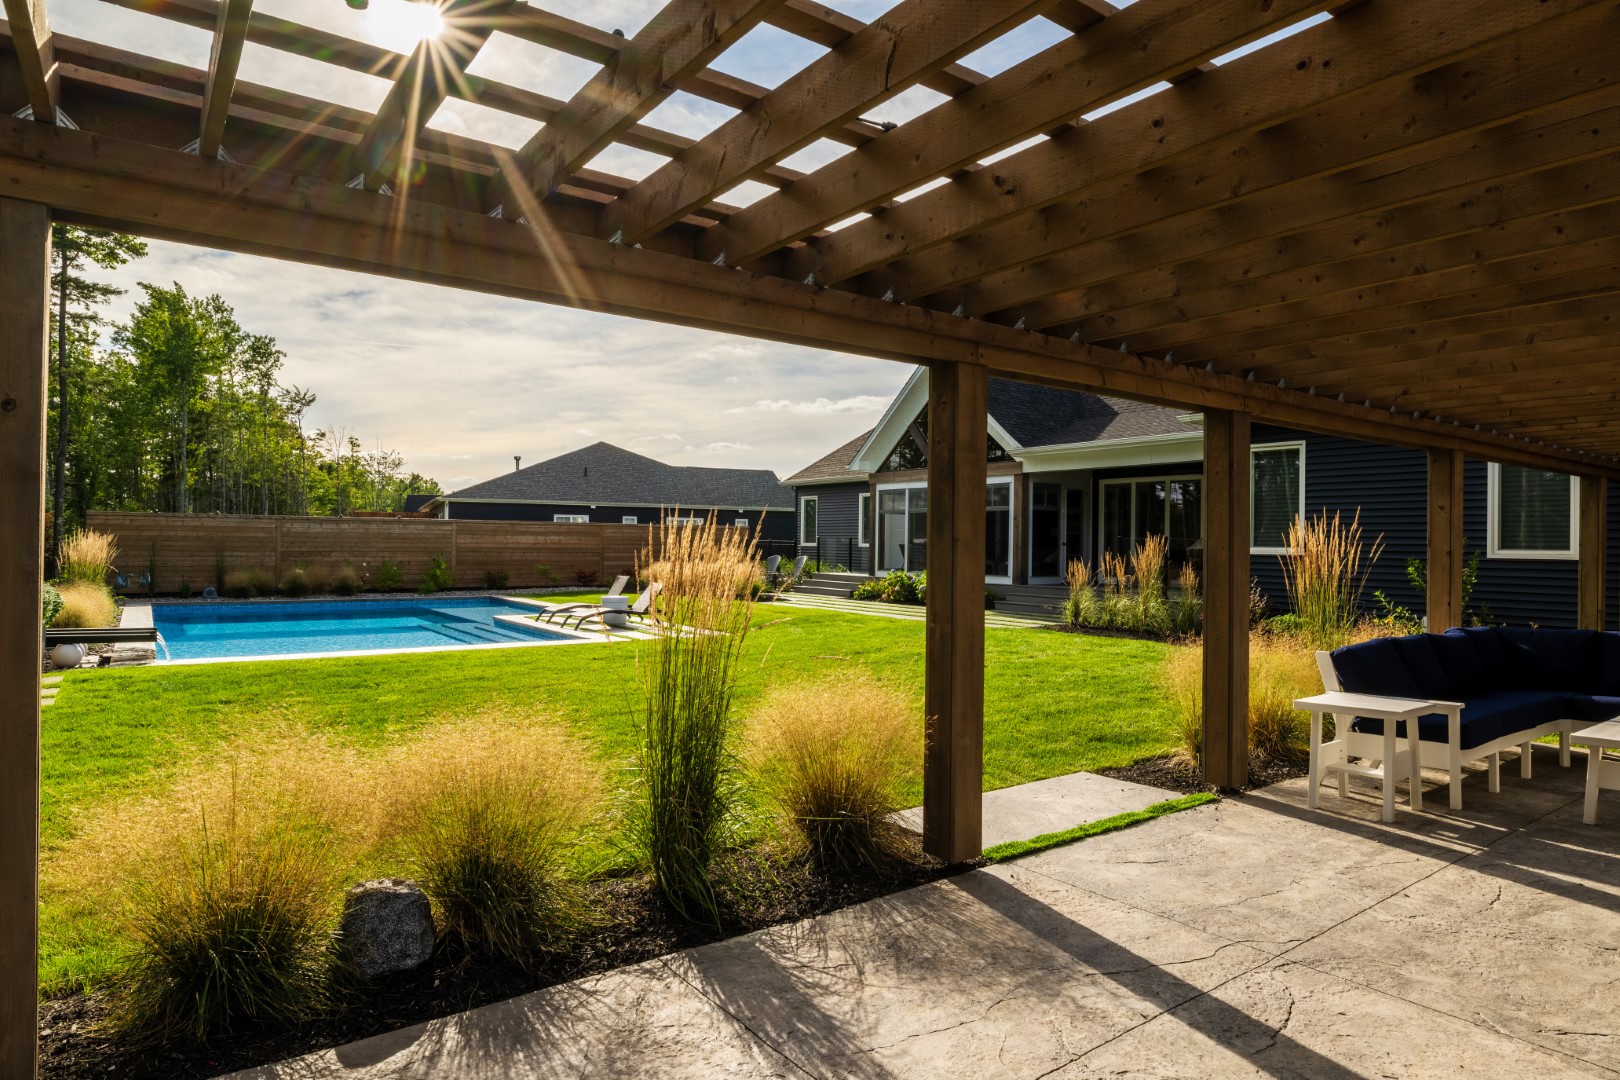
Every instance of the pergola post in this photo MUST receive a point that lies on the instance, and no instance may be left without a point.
(1226, 598)
(1594, 541)
(25, 245)
(953, 746)
(1443, 582)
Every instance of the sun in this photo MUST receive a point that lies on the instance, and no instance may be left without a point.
(403, 25)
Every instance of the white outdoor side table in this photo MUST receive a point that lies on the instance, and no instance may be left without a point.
(1396, 763)
(614, 609)
(1601, 774)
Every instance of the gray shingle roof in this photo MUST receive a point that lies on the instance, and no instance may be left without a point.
(1044, 416)
(835, 466)
(604, 473)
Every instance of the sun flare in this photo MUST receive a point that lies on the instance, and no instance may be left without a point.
(403, 24)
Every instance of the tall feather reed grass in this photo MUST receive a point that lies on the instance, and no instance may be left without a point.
(1281, 670)
(86, 555)
(1325, 568)
(85, 605)
(1117, 598)
(832, 755)
(686, 765)
(489, 810)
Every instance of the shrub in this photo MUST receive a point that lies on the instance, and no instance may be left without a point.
(437, 576)
(683, 811)
(248, 582)
(85, 605)
(346, 582)
(585, 576)
(86, 555)
(296, 582)
(490, 812)
(389, 576)
(51, 604)
(495, 579)
(1325, 569)
(899, 587)
(546, 574)
(871, 589)
(833, 756)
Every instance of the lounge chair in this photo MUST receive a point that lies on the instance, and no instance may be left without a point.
(790, 575)
(581, 605)
(770, 567)
(640, 609)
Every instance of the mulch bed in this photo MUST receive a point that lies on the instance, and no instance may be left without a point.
(638, 926)
(1171, 773)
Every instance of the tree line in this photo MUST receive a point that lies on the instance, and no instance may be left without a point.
(181, 408)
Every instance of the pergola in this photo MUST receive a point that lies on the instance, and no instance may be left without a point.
(1398, 224)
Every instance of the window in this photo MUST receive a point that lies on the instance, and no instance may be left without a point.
(1532, 513)
(684, 520)
(863, 518)
(807, 519)
(572, 519)
(629, 519)
(1277, 495)
(1167, 506)
(741, 523)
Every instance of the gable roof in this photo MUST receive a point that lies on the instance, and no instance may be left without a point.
(1045, 416)
(606, 474)
(833, 467)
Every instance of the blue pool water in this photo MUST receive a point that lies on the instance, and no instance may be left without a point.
(287, 627)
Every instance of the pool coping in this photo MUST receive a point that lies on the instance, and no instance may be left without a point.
(140, 614)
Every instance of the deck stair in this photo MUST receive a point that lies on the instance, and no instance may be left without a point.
(838, 585)
(1045, 601)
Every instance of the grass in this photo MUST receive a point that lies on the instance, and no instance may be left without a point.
(85, 605)
(1055, 703)
(1015, 849)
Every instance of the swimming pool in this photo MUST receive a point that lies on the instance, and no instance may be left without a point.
(234, 630)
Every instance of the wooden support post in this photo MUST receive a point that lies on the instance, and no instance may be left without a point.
(1594, 551)
(1444, 600)
(953, 748)
(25, 255)
(1226, 598)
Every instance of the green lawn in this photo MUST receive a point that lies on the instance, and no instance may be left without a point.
(1055, 703)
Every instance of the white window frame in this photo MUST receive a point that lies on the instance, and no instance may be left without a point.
(803, 502)
(684, 520)
(1493, 521)
(1131, 482)
(1299, 513)
(863, 523)
(1012, 527)
(629, 519)
(739, 523)
(571, 519)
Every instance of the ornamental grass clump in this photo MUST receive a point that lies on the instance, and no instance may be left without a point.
(1082, 607)
(86, 555)
(489, 812)
(1147, 567)
(85, 605)
(1325, 568)
(833, 757)
(1281, 670)
(682, 814)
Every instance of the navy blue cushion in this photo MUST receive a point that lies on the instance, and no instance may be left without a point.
(1485, 718)
(1555, 659)
(1493, 654)
(1591, 707)
(1460, 657)
(1607, 674)
(1429, 675)
(1374, 667)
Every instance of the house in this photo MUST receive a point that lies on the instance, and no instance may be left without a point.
(606, 484)
(1072, 475)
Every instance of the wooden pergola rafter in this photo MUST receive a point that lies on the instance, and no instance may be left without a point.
(1397, 223)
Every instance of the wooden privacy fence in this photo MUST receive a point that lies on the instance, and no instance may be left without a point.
(181, 550)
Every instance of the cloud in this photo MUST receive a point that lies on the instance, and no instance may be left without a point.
(819, 407)
(717, 448)
(584, 431)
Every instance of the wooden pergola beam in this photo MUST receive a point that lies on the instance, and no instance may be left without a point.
(1592, 583)
(36, 56)
(873, 65)
(1444, 569)
(230, 35)
(683, 38)
(1367, 45)
(1146, 43)
(120, 184)
(1227, 482)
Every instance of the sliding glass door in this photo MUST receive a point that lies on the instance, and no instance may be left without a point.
(902, 529)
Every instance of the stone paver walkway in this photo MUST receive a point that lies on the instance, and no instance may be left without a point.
(1247, 938)
(1047, 806)
(1005, 620)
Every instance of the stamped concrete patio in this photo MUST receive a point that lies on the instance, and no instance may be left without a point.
(1246, 938)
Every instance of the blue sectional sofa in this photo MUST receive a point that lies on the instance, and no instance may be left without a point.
(1502, 687)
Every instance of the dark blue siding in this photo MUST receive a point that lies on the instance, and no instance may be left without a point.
(836, 525)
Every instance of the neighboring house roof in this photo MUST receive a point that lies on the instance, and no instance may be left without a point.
(605, 474)
(1045, 416)
(415, 503)
(834, 467)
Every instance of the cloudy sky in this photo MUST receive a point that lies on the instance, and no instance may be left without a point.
(460, 382)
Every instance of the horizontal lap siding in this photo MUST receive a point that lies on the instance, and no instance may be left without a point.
(1517, 591)
(837, 525)
(185, 550)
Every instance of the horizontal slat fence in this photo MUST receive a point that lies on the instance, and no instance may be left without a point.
(181, 550)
